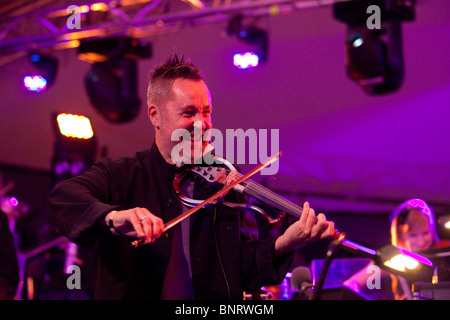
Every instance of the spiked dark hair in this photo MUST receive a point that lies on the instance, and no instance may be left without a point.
(162, 77)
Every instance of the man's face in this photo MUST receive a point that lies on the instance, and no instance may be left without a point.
(191, 104)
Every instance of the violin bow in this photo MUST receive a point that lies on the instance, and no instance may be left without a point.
(140, 242)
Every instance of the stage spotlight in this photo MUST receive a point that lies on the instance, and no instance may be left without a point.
(74, 126)
(112, 89)
(398, 261)
(393, 259)
(444, 222)
(111, 83)
(35, 83)
(246, 60)
(374, 56)
(75, 146)
(253, 36)
(402, 260)
(46, 66)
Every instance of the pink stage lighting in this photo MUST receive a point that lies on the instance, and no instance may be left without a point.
(246, 60)
(35, 83)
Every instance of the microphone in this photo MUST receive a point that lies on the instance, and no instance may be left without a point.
(301, 281)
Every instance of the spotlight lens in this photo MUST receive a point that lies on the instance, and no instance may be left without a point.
(35, 57)
(246, 60)
(356, 39)
(358, 42)
(74, 126)
(401, 262)
(243, 34)
(35, 83)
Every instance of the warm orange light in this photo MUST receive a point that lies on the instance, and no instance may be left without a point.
(75, 126)
(99, 7)
(196, 3)
(68, 44)
(401, 263)
(84, 9)
(83, 34)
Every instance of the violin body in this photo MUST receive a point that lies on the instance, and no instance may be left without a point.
(217, 177)
(210, 180)
(222, 181)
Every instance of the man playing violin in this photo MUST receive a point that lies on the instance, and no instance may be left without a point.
(214, 254)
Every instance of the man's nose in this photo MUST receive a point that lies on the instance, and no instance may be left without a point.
(200, 122)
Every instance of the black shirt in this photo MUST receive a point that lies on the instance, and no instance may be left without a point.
(226, 257)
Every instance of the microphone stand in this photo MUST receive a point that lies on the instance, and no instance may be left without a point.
(323, 274)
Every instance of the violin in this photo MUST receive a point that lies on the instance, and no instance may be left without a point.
(223, 179)
(216, 177)
(213, 178)
(219, 176)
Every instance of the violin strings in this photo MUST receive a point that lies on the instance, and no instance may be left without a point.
(283, 204)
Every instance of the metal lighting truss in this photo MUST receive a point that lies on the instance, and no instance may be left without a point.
(38, 24)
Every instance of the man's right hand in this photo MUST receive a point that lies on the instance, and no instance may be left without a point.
(136, 223)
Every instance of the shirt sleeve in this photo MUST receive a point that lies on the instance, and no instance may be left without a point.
(78, 206)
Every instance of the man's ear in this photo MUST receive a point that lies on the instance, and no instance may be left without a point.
(154, 114)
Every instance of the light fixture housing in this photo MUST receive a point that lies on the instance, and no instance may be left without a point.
(45, 74)
(409, 265)
(405, 263)
(112, 82)
(74, 126)
(75, 146)
(253, 36)
(374, 56)
(112, 89)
